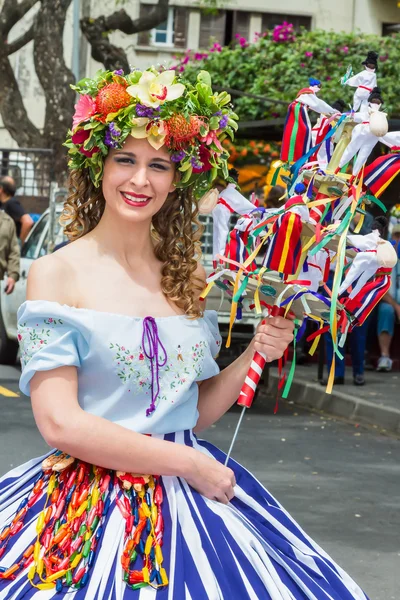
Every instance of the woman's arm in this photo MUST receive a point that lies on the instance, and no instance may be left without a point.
(64, 425)
(219, 393)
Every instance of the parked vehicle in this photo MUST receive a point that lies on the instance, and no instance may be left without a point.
(44, 236)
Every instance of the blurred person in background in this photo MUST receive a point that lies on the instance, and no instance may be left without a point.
(273, 199)
(13, 207)
(389, 307)
(9, 252)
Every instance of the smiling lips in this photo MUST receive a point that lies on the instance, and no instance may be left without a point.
(135, 199)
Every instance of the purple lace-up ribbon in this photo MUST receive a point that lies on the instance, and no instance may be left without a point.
(151, 345)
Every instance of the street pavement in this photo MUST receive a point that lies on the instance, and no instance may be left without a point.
(340, 481)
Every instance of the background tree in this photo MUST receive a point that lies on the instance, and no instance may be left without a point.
(277, 68)
(54, 76)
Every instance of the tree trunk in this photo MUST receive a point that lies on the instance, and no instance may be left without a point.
(55, 78)
(12, 109)
(96, 32)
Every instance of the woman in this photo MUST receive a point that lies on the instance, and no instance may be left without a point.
(99, 334)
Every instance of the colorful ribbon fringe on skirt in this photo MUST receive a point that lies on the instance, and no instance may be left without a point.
(69, 528)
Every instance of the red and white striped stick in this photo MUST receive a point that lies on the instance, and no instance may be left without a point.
(252, 380)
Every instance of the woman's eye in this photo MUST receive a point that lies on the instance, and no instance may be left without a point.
(159, 167)
(125, 161)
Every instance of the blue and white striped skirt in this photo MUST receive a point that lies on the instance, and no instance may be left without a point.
(248, 549)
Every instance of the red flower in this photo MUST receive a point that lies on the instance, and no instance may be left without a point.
(205, 159)
(80, 137)
(89, 153)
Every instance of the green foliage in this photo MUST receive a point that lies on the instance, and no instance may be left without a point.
(279, 70)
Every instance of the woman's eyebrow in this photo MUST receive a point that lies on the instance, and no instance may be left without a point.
(134, 156)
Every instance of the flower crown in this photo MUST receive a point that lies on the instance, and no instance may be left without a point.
(191, 121)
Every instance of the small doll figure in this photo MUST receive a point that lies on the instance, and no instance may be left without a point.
(365, 82)
(236, 247)
(179, 355)
(372, 126)
(284, 249)
(230, 202)
(321, 129)
(297, 130)
(368, 278)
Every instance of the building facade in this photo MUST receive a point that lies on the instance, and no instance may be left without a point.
(188, 27)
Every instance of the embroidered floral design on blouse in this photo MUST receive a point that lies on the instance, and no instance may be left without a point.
(32, 339)
(182, 367)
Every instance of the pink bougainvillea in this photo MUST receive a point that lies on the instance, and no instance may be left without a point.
(284, 33)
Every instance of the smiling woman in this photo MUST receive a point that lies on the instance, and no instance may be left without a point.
(118, 357)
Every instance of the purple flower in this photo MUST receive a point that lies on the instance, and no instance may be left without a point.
(218, 113)
(223, 122)
(302, 65)
(309, 54)
(119, 72)
(328, 78)
(115, 132)
(144, 111)
(109, 140)
(178, 156)
(345, 49)
(195, 162)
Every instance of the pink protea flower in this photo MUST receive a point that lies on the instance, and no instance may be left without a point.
(85, 108)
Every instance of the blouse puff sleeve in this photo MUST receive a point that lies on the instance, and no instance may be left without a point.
(214, 340)
(50, 336)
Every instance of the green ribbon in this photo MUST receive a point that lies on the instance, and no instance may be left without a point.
(376, 201)
(294, 131)
(275, 177)
(289, 380)
(240, 291)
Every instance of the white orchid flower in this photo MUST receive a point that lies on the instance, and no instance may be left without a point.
(153, 90)
(154, 131)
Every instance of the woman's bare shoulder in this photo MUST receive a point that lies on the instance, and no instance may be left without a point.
(54, 277)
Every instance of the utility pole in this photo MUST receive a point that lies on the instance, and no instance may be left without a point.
(76, 39)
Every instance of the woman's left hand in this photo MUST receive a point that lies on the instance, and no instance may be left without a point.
(273, 336)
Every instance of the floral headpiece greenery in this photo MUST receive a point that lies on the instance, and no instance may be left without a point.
(191, 121)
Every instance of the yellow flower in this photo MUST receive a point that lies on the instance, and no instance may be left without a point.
(154, 131)
(153, 90)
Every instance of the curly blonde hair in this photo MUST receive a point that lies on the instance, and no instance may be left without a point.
(175, 229)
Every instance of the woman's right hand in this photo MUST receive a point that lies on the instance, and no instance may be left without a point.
(210, 478)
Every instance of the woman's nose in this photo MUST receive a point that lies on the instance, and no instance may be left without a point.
(139, 176)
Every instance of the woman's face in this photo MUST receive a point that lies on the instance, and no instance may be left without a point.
(137, 179)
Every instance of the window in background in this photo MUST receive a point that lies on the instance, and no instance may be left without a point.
(271, 20)
(171, 33)
(163, 34)
(223, 27)
(389, 28)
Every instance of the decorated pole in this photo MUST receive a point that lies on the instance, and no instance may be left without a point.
(251, 381)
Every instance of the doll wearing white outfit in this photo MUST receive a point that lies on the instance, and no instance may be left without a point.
(371, 128)
(365, 82)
